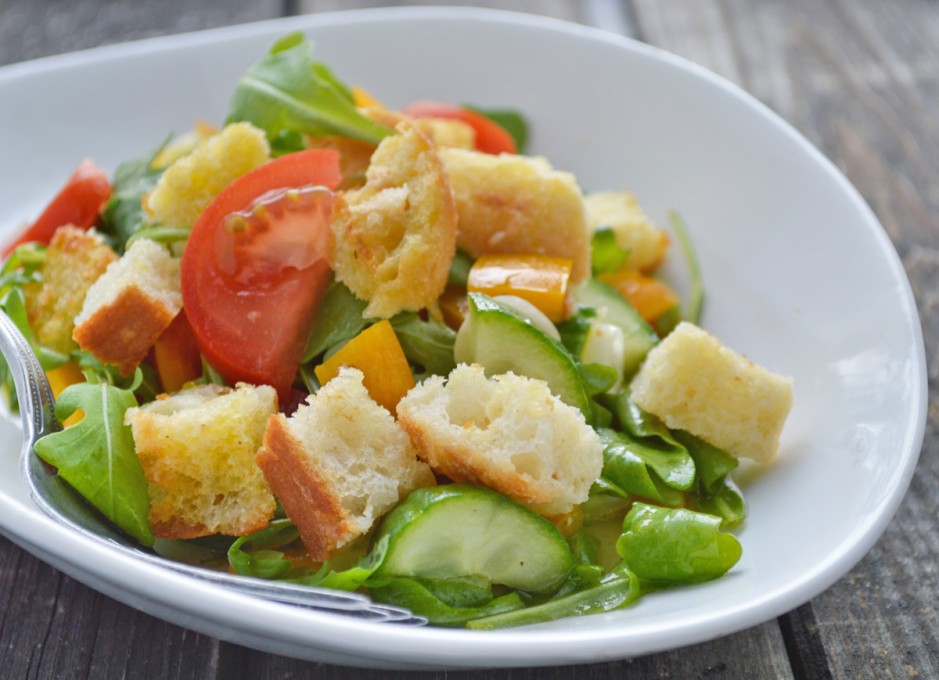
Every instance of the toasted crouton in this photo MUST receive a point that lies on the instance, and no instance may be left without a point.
(354, 157)
(634, 231)
(130, 305)
(190, 183)
(339, 463)
(392, 240)
(197, 448)
(508, 433)
(443, 132)
(518, 204)
(692, 382)
(75, 259)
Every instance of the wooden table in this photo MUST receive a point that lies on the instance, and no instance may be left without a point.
(859, 78)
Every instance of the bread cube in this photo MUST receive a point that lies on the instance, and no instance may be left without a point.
(692, 382)
(392, 240)
(507, 432)
(197, 448)
(75, 259)
(339, 463)
(130, 305)
(189, 184)
(518, 204)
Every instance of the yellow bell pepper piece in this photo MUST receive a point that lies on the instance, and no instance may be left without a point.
(363, 98)
(378, 354)
(542, 280)
(59, 378)
(648, 296)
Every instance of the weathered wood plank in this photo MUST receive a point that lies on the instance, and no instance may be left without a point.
(36, 29)
(861, 80)
(744, 656)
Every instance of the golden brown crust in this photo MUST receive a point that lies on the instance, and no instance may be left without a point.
(307, 498)
(123, 331)
(197, 449)
(354, 157)
(74, 260)
(461, 465)
(392, 240)
(517, 204)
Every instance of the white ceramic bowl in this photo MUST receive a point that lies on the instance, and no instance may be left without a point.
(799, 275)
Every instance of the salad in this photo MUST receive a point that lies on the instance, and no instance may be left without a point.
(387, 350)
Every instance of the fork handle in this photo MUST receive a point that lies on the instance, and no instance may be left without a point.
(37, 405)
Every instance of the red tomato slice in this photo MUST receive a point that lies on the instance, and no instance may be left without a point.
(490, 136)
(78, 203)
(255, 270)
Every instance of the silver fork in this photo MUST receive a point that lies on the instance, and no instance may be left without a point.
(60, 502)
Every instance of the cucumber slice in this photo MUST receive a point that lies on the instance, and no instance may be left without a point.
(458, 530)
(498, 338)
(638, 336)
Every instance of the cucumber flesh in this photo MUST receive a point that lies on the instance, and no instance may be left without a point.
(612, 308)
(456, 530)
(497, 337)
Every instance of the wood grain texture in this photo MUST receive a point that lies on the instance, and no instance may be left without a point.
(32, 29)
(859, 78)
(861, 81)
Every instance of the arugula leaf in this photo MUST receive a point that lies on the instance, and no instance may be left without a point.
(574, 329)
(428, 345)
(646, 438)
(357, 576)
(338, 321)
(262, 561)
(675, 545)
(460, 266)
(96, 455)
(420, 598)
(123, 214)
(643, 470)
(696, 297)
(605, 253)
(286, 93)
(615, 590)
(716, 494)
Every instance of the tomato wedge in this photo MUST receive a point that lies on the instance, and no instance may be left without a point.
(78, 203)
(255, 268)
(490, 136)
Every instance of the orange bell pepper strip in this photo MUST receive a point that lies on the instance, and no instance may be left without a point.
(648, 296)
(542, 280)
(61, 377)
(378, 354)
(176, 355)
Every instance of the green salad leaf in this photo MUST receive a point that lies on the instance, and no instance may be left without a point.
(287, 93)
(254, 554)
(716, 493)
(339, 320)
(96, 455)
(435, 600)
(614, 591)
(646, 471)
(427, 344)
(123, 213)
(675, 545)
(605, 253)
